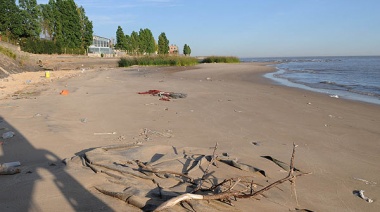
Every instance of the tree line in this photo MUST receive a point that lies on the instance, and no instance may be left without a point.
(61, 23)
(143, 42)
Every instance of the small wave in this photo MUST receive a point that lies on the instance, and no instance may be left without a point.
(328, 82)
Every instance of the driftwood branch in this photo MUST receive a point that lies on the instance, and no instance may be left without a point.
(229, 193)
(199, 186)
(149, 169)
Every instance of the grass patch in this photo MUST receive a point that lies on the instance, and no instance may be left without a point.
(157, 61)
(221, 59)
(7, 52)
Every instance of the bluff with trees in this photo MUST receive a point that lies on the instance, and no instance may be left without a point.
(62, 24)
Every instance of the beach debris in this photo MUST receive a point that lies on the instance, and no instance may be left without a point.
(8, 134)
(367, 182)
(64, 92)
(12, 164)
(9, 168)
(164, 96)
(208, 78)
(256, 143)
(334, 96)
(159, 177)
(147, 133)
(360, 193)
(150, 104)
(302, 210)
(237, 111)
(230, 192)
(236, 164)
(83, 120)
(106, 133)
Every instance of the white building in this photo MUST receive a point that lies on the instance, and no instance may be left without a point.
(100, 45)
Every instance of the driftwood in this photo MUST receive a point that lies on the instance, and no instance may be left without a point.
(242, 166)
(205, 173)
(230, 193)
(147, 168)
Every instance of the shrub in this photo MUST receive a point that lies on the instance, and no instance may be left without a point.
(221, 59)
(158, 61)
(38, 46)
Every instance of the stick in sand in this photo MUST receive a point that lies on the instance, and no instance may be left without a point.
(111, 133)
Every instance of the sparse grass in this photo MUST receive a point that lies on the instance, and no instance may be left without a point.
(158, 61)
(221, 59)
(7, 52)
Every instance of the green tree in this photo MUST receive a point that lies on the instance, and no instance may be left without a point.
(68, 28)
(121, 41)
(134, 41)
(86, 29)
(146, 41)
(163, 44)
(186, 50)
(30, 14)
(10, 19)
(128, 44)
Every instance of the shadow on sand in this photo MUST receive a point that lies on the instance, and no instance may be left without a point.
(16, 191)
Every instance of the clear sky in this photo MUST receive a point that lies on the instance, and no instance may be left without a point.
(247, 28)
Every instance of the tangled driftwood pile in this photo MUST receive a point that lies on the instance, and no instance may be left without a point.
(159, 177)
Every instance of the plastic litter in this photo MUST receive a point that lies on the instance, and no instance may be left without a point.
(7, 135)
(334, 96)
(64, 92)
(12, 164)
(9, 168)
(360, 193)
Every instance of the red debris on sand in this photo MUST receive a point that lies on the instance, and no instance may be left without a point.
(152, 92)
(165, 96)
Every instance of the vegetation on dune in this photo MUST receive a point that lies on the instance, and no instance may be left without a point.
(157, 61)
(7, 52)
(165, 60)
(221, 59)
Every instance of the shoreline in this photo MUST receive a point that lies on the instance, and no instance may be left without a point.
(333, 94)
(232, 104)
(315, 74)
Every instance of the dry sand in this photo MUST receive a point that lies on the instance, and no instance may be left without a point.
(338, 140)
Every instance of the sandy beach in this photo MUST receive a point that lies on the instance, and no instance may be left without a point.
(232, 104)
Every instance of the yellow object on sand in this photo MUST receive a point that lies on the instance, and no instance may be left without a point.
(47, 74)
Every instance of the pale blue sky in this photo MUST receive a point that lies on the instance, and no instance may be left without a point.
(247, 28)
